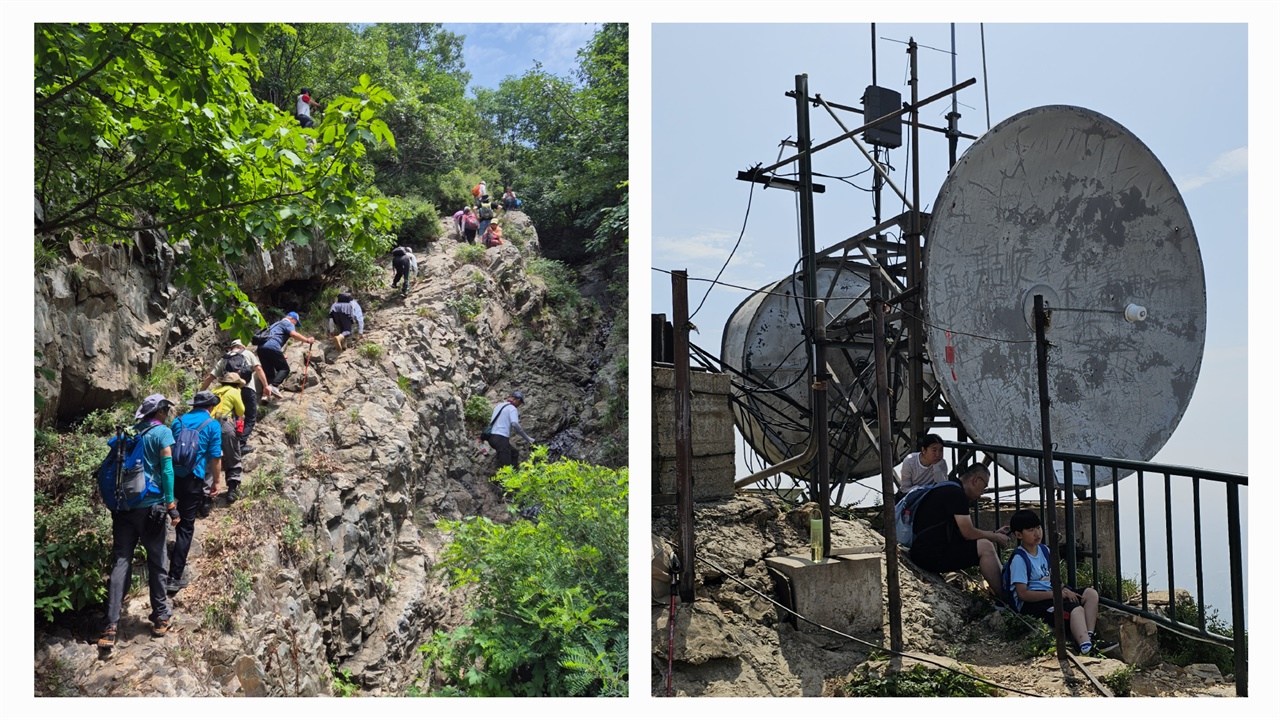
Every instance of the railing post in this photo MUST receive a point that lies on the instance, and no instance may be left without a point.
(1237, 591)
(1048, 482)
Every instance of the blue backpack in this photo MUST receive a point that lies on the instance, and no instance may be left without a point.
(122, 478)
(1008, 592)
(904, 513)
(186, 448)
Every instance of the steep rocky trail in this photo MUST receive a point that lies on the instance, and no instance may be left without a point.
(329, 564)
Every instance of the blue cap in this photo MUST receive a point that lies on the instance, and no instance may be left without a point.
(517, 395)
(293, 315)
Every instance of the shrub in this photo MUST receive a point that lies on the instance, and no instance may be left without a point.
(477, 411)
(469, 254)
(360, 269)
(166, 378)
(918, 681)
(561, 293)
(417, 221)
(371, 351)
(293, 429)
(1120, 681)
(547, 596)
(1181, 650)
(467, 306)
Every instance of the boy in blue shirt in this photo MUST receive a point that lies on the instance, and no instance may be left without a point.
(1033, 593)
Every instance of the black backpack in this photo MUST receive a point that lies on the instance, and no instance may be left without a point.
(262, 336)
(237, 363)
(486, 213)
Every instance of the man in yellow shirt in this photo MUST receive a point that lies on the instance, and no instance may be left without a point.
(229, 414)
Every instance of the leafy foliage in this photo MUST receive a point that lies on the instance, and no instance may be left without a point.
(477, 411)
(548, 603)
(918, 681)
(1181, 650)
(153, 128)
(469, 254)
(1120, 681)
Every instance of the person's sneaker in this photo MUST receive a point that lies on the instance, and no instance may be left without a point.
(233, 495)
(107, 639)
(1086, 647)
(246, 449)
(160, 628)
(173, 587)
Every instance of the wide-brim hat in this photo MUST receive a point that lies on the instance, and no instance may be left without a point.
(204, 399)
(233, 378)
(151, 404)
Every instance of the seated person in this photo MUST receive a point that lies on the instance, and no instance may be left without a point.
(1033, 593)
(945, 538)
(925, 467)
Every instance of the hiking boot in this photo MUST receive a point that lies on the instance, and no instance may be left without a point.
(246, 449)
(174, 586)
(233, 495)
(107, 639)
(160, 628)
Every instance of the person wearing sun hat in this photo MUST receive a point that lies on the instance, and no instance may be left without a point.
(192, 486)
(146, 524)
(230, 414)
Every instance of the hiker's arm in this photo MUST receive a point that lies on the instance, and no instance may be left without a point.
(300, 337)
(208, 380)
(214, 471)
(166, 485)
(516, 426)
(967, 531)
(1026, 594)
(359, 315)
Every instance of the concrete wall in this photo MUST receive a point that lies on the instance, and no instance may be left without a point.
(712, 429)
(1083, 528)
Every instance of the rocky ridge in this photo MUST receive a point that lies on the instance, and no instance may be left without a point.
(328, 567)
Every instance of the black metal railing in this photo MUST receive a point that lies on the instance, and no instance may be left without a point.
(1026, 462)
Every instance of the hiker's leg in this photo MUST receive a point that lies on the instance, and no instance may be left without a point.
(250, 398)
(503, 447)
(124, 536)
(1089, 598)
(989, 562)
(1079, 630)
(231, 467)
(190, 493)
(153, 542)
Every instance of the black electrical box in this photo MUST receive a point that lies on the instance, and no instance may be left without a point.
(878, 102)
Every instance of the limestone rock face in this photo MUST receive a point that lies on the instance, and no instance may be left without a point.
(369, 457)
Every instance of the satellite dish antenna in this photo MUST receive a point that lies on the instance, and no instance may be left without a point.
(765, 337)
(1066, 203)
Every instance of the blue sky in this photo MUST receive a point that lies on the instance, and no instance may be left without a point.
(1190, 108)
(492, 52)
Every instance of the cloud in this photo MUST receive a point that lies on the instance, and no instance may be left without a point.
(1227, 165)
(703, 255)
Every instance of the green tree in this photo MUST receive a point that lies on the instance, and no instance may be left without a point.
(548, 592)
(153, 128)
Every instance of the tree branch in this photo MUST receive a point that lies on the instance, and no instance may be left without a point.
(40, 104)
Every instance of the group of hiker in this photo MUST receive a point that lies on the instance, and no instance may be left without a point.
(481, 221)
(933, 519)
(166, 471)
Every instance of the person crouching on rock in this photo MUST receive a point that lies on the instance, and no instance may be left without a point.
(505, 418)
(492, 235)
(345, 316)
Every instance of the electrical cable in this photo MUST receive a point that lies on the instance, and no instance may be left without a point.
(860, 641)
(750, 193)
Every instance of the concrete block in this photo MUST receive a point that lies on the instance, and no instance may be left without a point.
(712, 476)
(711, 420)
(841, 592)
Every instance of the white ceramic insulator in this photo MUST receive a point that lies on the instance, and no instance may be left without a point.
(1135, 313)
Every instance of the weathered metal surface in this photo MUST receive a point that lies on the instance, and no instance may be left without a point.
(765, 338)
(1065, 202)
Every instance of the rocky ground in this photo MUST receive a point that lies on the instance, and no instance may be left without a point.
(732, 642)
(327, 569)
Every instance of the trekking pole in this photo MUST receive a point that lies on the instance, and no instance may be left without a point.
(671, 620)
(306, 365)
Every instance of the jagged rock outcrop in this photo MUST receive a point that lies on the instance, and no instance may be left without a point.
(367, 459)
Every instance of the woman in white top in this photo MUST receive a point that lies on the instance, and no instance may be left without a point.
(925, 467)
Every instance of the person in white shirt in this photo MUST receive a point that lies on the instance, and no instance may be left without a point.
(505, 418)
(305, 103)
(925, 467)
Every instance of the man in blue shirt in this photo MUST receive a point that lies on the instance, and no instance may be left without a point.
(271, 352)
(193, 485)
(146, 523)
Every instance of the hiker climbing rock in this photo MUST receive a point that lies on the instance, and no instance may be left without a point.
(493, 236)
(479, 193)
(197, 469)
(271, 349)
(457, 221)
(245, 364)
(305, 103)
(485, 213)
(470, 224)
(345, 317)
(404, 262)
(146, 521)
(230, 416)
(505, 418)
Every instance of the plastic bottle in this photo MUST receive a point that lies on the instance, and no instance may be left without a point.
(815, 536)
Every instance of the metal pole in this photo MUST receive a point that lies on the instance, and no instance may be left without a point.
(953, 127)
(820, 410)
(1237, 590)
(684, 431)
(805, 158)
(915, 329)
(1048, 482)
(886, 466)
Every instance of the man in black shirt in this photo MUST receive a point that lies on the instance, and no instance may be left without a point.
(945, 538)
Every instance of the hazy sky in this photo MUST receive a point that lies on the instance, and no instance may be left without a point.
(494, 51)
(1182, 89)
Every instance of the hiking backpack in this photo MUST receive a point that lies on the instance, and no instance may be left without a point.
(237, 363)
(486, 212)
(264, 335)
(470, 222)
(123, 481)
(186, 447)
(1008, 593)
(487, 432)
(904, 513)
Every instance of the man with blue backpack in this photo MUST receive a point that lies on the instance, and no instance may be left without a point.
(197, 467)
(945, 538)
(1027, 585)
(136, 482)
